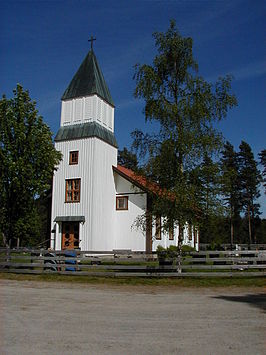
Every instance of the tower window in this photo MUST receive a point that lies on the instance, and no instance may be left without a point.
(158, 228)
(122, 203)
(189, 232)
(171, 232)
(73, 158)
(73, 190)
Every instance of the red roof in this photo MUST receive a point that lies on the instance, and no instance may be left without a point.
(146, 185)
(138, 180)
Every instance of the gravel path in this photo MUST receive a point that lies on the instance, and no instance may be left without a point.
(55, 318)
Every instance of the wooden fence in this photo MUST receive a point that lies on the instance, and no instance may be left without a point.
(134, 264)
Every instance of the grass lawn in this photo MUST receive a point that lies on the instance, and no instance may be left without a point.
(152, 281)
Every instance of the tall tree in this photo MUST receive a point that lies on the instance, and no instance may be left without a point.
(208, 186)
(230, 184)
(262, 156)
(186, 107)
(127, 159)
(250, 179)
(28, 159)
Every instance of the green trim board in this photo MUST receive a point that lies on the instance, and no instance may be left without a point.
(86, 130)
(88, 80)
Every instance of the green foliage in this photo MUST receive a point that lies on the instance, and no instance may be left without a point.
(262, 156)
(230, 185)
(186, 108)
(249, 174)
(218, 231)
(206, 183)
(143, 281)
(167, 253)
(214, 229)
(43, 206)
(172, 251)
(187, 248)
(250, 179)
(127, 159)
(230, 177)
(28, 159)
(261, 230)
(214, 246)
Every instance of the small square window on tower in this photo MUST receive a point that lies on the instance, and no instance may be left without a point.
(122, 203)
(73, 158)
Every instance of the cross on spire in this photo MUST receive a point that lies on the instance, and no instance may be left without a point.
(91, 40)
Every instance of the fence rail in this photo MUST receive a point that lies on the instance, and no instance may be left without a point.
(250, 263)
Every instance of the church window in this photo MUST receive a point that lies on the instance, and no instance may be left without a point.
(189, 232)
(158, 227)
(73, 158)
(73, 190)
(122, 203)
(171, 232)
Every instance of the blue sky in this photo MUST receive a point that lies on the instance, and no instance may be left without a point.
(44, 42)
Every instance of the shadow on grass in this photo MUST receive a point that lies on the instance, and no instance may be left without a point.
(255, 300)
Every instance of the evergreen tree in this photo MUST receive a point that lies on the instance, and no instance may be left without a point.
(262, 156)
(208, 187)
(230, 185)
(250, 179)
(186, 107)
(28, 159)
(261, 231)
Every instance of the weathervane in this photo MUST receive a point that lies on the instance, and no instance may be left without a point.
(91, 40)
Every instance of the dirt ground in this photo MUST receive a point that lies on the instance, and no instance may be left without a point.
(53, 318)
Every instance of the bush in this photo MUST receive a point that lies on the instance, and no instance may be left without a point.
(172, 251)
(187, 248)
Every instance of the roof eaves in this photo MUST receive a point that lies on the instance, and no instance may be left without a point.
(92, 94)
(132, 180)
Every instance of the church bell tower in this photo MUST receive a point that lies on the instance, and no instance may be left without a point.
(83, 186)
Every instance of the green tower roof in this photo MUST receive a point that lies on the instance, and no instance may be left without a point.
(88, 80)
(85, 130)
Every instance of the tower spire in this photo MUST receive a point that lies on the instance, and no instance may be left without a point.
(91, 40)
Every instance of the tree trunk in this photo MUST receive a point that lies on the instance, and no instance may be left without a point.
(148, 226)
(198, 238)
(5, 242)
(180, 236)
(253, 225)
(249, 226)
(180, 242)
(232, 234)
(232, 228)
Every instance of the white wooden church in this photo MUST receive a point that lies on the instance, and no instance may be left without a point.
(95, 202)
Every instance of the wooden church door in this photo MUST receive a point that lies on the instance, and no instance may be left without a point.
(70, 235)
